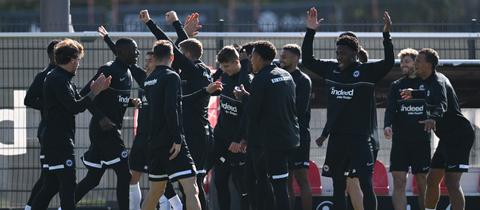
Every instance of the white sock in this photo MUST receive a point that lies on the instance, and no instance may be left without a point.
(176, 203)
(163, 203)
(429, 209)
(135, 197)
(27, 207)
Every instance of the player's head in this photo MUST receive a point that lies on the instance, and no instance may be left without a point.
(263, 54)
(362, 53)
(50, 48)
(347, 50)
(163, 53)
(290, 56)
(68, 54)
(191, 48)
(127, 50)
(426, 62)
(247, 48)
(407, 61)
(149, 62)
(229, 60)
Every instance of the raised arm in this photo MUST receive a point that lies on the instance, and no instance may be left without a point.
(181, 61)
(104, 34)
(308, 60)
(381, 68)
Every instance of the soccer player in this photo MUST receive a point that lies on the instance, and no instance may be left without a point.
(61, 102)
(273, 129)
(195, 76)
(349, 112)
(229, 157)
(444, 117)
(410, 142)
(299, 160)
(107, 149)
(169, 157)
(34, 99)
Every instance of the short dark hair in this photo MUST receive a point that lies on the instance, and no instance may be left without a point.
(293, 48)
(193, 46)
(248, 48)
(266, 50)
(349, 33)
(51, 46)
(66, 50)
(227, 54)
(348, 41)
(122, 42)
(431, 56)
(162, 49)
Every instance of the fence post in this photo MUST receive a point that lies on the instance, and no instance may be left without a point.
(219, 39)
(471, 41)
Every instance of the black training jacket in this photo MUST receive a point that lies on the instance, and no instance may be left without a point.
(272, 115)
(34, 96)
(163, 92)
(351, 91)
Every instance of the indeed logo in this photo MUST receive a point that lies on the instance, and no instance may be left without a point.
(411, 108)
(341, 93)
(229, 108)
(124, 100)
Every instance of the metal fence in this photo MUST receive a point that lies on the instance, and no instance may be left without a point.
(22, 55)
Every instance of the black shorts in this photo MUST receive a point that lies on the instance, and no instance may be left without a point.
(200, 145)
(410, 153)
(348, 155)
(300, 157)
(274, 161)
(453, 151)
(160, 168)
(106, 149)
(138, 159)
(56, 163)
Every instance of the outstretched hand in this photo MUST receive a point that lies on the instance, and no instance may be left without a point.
(387, 22)
(192, 24)
(312, 19)
(102, 31)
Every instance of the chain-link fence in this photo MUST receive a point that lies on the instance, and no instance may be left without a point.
(23, 55)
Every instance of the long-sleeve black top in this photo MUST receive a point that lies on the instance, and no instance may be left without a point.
(232, 119)
(195, 76)
(113, 102)
(350, 91)
(61, 102)
(403, 116)
(272, 116)
(34, 96)
(163, 92)
(442, 106)
(303, 92)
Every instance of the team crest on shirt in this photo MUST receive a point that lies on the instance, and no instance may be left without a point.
(356, 73)
(69, 163)
(421, 87)
(124, 154)
(326, 168)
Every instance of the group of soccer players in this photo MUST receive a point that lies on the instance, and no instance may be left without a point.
(262, 137)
